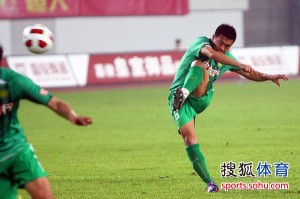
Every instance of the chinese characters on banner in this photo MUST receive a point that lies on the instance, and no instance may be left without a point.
(13, 9)
(263, 169)
(132, 67)
(43, 6)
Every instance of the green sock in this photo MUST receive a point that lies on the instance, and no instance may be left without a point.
(193, 78)
(198, 161)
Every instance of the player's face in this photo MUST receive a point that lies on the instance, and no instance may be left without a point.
(222, 43)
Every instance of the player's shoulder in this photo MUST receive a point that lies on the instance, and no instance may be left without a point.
(6, 73)
(9, 74)
(14, 78)
(201, 41)
(203, 38)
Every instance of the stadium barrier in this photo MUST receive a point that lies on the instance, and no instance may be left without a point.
(80, 70)
(270, 60)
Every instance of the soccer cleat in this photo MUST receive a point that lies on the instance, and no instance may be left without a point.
(178, 99)
(212, 187)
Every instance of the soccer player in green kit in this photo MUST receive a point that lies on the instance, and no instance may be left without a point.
(192, 89)
(19, 166)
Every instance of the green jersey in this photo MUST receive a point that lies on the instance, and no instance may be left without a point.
(13, 88)
(215, 69)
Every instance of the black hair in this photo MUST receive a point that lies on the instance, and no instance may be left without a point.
(226, 30)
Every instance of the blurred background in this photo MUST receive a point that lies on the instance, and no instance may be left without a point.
(258, 23)
(103, 41)
(133, 149)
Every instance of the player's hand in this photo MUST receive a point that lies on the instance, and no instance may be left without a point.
(82, 120)
(276, 78)
(248, 69)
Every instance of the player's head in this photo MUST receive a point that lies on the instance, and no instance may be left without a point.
(224, 37)
(227, 31)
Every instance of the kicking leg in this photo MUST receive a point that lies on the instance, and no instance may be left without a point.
(201, 89)
(195, 82)
(39, 188)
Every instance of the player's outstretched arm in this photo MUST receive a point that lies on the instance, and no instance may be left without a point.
(224, 59)
(63, 109)
(276, 78)
(259, 77)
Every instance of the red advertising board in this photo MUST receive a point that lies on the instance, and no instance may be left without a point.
(98, 69)
(134, 7)
(132, 67)
(66, 8)
(41, 8)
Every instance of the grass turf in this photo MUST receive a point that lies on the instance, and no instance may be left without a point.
(134, 151)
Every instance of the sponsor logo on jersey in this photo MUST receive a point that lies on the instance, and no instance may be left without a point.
(220, 65)
(3, 89)
(211, 71)
(3, 94)
(6, 108)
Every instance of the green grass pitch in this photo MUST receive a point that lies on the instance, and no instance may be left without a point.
(134, 151)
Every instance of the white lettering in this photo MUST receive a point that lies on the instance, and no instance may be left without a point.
(104, 71)
(176, 115)
(152, 66)
(137, 68)
(121, 67)
(211, 71)
(5, 108)
(167, 65)
(99, 71)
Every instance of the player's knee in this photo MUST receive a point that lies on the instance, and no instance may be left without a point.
(190, 139)
(198, 63)
(39, 188)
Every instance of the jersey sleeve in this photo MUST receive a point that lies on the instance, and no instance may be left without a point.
(232, 68)
(32, 91)
(196, 47)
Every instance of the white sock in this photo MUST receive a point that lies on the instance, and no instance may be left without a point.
(186, 92)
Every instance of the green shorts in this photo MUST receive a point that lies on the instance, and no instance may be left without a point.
(191, 107)
(16, 171)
